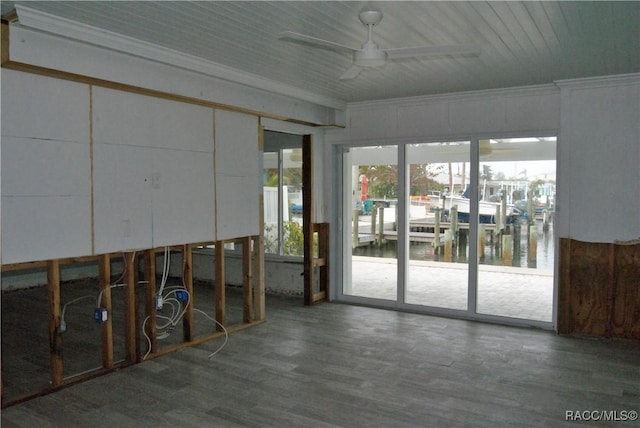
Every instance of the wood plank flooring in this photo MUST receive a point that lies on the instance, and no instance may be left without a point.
(335, 365)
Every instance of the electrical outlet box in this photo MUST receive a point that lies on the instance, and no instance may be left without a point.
(182, 295)
(100, 315)
(155, 180)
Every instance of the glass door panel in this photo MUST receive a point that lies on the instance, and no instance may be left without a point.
(438, 224)
(515, 231)
(370, 222)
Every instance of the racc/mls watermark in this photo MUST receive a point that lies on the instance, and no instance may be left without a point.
(601, 415)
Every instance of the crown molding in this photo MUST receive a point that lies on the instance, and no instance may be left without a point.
(64, 27)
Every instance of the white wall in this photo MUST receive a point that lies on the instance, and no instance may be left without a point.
(89, 170)
(518, 110)
(46, 169)
(238, 170)
(57, 53)
(599, 155)
(598, 122)
(153, 172)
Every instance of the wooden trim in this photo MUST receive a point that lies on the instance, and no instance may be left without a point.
(70, 381)
(106, 331)
(202, 339)
(611, 290)
(187, 275)
(43, 263)
(220, 281)
(4, 49)
(307, 217)
(149, 298)
(258, 247)
(320, 295)
(247, 279)
(92, 173)
(9, 267)
(323, 257)
(215, 181)
(564, 287)
(130, 308)
(258, 275)
(55, 336)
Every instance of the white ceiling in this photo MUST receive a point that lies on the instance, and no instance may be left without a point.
(522, 43)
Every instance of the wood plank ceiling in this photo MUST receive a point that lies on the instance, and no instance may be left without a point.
(522, 43)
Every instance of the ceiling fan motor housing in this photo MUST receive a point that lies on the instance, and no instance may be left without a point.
(370, 56)
(370, 17)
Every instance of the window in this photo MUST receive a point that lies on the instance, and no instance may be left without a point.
(282, 185)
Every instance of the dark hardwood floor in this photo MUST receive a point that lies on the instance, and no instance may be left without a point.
(337, 365)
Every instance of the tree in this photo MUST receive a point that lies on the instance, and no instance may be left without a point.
(487, 174)
(383, 179)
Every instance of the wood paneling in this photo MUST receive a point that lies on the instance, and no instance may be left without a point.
(599, 289)
(625, 317)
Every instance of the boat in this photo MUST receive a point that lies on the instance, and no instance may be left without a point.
(486, 210)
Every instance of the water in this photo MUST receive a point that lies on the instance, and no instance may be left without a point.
(424, 251)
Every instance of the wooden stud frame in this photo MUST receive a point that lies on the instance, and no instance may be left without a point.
(55, 335)
(311, 262)
(220, 281)
(187, 274)
(130, 332)
(253, 260)
(253, 305)
(106, 332)
(307, 217)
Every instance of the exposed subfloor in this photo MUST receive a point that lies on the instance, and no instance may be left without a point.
(349, 366)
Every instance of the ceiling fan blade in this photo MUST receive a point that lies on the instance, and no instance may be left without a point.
(352, 72)
(467, 50)
(291, 36)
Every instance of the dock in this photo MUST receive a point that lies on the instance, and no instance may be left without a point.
(420, 230)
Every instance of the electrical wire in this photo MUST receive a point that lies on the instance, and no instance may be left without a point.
(226, 333)
(168, 297)
(63, 324)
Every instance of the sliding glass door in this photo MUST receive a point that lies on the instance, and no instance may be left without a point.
(438, 267)
(515, 228)
(459, 227)
(371, 186)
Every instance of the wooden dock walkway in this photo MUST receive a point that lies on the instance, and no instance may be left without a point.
(420, 230)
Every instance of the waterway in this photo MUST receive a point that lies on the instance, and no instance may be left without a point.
(545, 250)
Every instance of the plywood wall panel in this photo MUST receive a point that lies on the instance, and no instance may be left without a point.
(45, 227)
(236, 144)
(154, 179)
(46, 180)
(122, 198)
(626, 304)
(590, 288)
(237, 207)
(127, 118)
(37, 167)
(599, 289)
(42, 107)
(238, 172)
(182, 193)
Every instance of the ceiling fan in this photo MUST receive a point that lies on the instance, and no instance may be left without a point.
(370, 55)
(486, 148)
